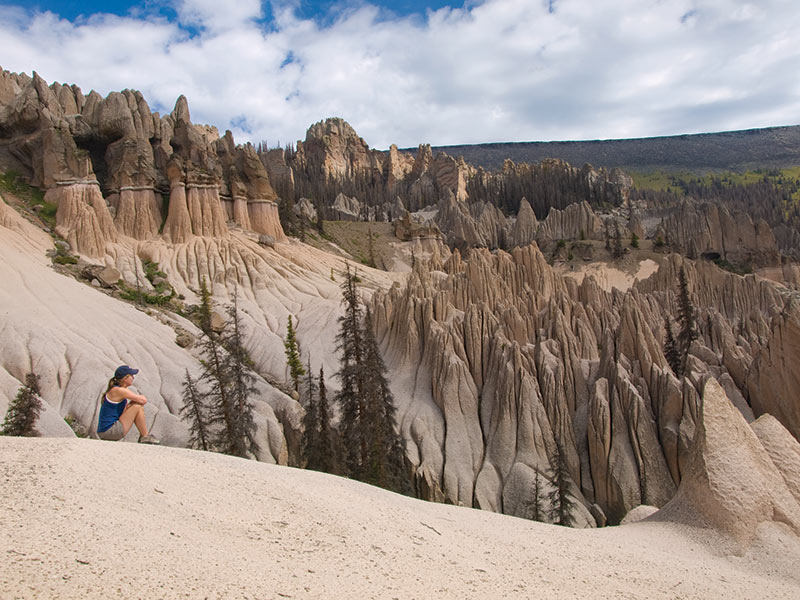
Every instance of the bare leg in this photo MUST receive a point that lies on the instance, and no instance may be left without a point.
(133, 415)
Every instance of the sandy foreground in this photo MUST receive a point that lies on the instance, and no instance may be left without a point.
(92, 519)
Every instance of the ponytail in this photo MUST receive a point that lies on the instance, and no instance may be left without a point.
(113, 382)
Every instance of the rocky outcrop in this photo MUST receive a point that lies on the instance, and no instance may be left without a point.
(730, 482)
(332, 148)
(82, 217)
(773, 381)
(471, 225)
(783, 450)
(345, 208)
(709, 229)
(575, 222)
(333, 151)
(137, 172)
(264, 219)
(407, 228)
(501, 340)
(396, 167)
(525, 227)
(305, 208)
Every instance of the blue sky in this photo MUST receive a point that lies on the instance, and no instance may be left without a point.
(316, 10)
(413, 72)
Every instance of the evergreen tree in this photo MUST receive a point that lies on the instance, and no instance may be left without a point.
(386, 448)
(617, 249)
(293, 361)
(686, 318)
(320, 223)
(370, 250)
(373, 450)
(330, 451)
(239, 437)
(561, 502)
(24, 410)
(671, 350)
(194, 411)
(204, 311)
(536, 509)
(216, 378)
(312, 430)
(350, 374)
(289, 220)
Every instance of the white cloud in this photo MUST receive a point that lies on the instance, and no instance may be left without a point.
(500, 70)
(216, 15)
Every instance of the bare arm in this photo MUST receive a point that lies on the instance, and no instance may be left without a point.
(118, 393)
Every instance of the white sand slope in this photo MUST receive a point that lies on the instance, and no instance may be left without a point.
(608, 276)
(90, 519)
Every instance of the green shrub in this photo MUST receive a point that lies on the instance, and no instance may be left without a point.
(77, 428)
(65, 259)
(729, 266)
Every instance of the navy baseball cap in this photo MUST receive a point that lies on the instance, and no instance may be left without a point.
(124, 370)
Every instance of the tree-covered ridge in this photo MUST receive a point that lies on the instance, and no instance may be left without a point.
(771, 195)
(547, 185)
(770, 147)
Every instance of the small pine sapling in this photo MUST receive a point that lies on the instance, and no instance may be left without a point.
(24, 410)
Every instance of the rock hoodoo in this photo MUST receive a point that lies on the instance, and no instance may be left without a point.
(115, 168)
(731, 482)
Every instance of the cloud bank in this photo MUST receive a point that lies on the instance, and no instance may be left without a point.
(497, 70)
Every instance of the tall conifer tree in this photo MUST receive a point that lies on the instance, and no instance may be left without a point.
(293, 360)
(195, 411)
(386, 449)
(561, 502)
(686, 318)
(312, 430)
(536, 509)
(671, 349)
(330, 444)
(216, 378)
(241, 439)
(350, 374)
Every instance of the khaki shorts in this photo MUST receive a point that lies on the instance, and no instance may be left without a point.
(113, 433)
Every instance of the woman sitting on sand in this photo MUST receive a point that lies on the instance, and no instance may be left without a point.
(121, 408)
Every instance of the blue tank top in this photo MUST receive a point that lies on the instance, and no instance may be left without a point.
(110, 412)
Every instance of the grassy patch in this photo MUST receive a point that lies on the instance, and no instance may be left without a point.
(675, 181)
(728, 266)
(65, 259)
(134, 295)
(163, 292)
(12, 183)
(80, 430)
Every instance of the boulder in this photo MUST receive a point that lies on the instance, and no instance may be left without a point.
(305, 208)
(108, 276)
(730, 484)
(345, 208)
(783, 450)
(638, 513)
(773, 379)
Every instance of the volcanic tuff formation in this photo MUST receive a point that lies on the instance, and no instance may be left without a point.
(114, 168)
(495, 358)
(505, 359)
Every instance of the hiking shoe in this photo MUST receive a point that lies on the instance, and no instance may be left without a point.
(148, 439)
